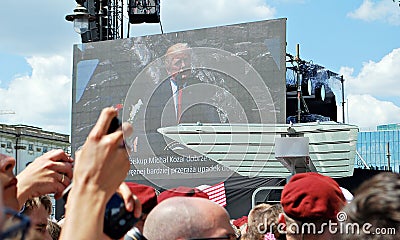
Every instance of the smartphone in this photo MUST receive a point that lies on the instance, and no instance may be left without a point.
(114, 125)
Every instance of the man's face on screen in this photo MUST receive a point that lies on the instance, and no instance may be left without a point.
(179, 64)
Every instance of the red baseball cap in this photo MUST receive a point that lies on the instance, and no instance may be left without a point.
(146, 195)
(312, 196)
(181, 192)
(240, 221)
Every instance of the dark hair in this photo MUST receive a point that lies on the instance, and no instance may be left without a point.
(36, 202)
(377, 203)
(54, 229)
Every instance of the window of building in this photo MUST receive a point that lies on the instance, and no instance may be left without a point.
(9, 144)
(45, 150)
(20, 147)
(30, 147)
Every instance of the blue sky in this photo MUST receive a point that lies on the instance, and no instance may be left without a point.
(358, 38)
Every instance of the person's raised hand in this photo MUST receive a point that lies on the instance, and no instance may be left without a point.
(103, 161)
(100, 167)
(49, 173)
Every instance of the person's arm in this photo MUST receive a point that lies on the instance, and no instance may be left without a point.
(84, 217)
(49, 173)
(100, 167)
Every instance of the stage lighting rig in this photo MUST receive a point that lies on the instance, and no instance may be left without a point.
(144, 11)
(98, 20)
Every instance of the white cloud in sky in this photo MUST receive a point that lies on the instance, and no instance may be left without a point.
(382, 10)
(367, 112)
(375, 80)
(42, 99)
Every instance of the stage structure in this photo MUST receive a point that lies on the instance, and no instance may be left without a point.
(144, 11)
(101, 20)
(98, 20)
(312, 91)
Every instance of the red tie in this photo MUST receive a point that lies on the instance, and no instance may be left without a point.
(179, 104)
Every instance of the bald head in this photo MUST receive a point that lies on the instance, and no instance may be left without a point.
(187, 217)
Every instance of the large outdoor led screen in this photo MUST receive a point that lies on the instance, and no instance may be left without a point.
(224, 75)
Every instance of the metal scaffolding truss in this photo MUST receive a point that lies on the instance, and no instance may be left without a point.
(115, 19)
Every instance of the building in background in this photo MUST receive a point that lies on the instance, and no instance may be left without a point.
(379, 150)
(25, 143)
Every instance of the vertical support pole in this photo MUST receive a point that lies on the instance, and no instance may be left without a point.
(100, 16)
(388, 155)
(298, 83)
(122, 19)
(343, 102)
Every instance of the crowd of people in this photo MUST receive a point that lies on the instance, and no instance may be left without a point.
(312, 206)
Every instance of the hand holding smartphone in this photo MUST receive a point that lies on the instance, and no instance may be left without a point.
(114, 125)
(117, 220)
